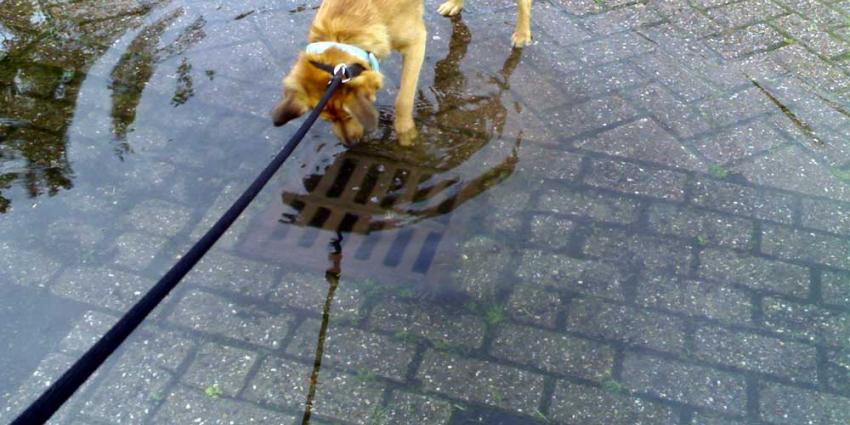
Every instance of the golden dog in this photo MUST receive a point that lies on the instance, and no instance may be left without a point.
(361, 32)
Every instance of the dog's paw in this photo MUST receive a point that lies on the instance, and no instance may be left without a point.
(408, 138)
(450, 8)
(521, 39)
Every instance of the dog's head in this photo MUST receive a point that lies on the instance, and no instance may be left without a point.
(350, 110)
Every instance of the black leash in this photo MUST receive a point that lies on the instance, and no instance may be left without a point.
(52, 399)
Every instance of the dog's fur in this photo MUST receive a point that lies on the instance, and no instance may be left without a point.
(377, 26)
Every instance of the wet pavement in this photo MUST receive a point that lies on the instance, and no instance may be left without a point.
(643, 218)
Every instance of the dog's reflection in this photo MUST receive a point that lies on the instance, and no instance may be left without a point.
(379, 186)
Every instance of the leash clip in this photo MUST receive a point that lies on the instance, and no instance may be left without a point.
(343, 68)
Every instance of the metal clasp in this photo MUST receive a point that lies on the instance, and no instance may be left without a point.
(346, 77)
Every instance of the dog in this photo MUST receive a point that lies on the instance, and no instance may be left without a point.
(360, 33)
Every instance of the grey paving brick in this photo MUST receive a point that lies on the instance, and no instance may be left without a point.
(530, 304)
(550, 231)
(795, 244)
(826, 76)
(791, 169)
(580, 404)
(440, 325)
(229, 193)
(507, 203)
(283, 383)
(808, 33)
(688, 84)
(15, 400)
(136, 251)
(835, 288)
(680, 117)
(549, 163)
(635, 179)
(86, 332)
(593, 80)
(706, 227)
(626, 324)
(729, 108)
(743, 200)
(408, 408)
(559, 271)
(589, 204)
(205, 312)
(754, 272)
(242, 276)
(746, 41)
(618, 46)
(159, 217)
(482, 261)
(740, 142)
(700, 418)
(782, 404)
(694, 298)
(696, 385)
(581, 7)
(572, 120)
(807, 321)
(827, 216)
(26, 268)
(764, 354)
(219, 366)
(623, 19)
(553, 352)
(132, 389)
(101, 287)
(349, 348)
(310, 291)
(836, 371)
(745, 12)
(655, 253)
(817, 11)
(474, 380)
(185, 406)
(643, 140)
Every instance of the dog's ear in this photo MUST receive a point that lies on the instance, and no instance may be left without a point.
(362, 108)
(288, 109)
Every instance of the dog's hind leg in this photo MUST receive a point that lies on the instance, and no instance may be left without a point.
(450, 7)
(414, 55)
(522, 33)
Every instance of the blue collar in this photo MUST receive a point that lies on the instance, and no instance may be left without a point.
(321, 46)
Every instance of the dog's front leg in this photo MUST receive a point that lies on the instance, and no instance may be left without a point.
(522, 32)
(413, 55)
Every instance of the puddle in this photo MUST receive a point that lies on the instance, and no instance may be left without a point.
(646, 210)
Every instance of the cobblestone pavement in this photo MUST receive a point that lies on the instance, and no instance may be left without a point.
(643, 218)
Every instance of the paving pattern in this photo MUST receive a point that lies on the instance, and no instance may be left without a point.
(668, 241)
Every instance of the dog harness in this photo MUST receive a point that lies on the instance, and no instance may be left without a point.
(321, 46)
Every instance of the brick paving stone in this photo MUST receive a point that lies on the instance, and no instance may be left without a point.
(744, 13)
(131, 390)
(102, 287)
(14, 401)
(836, 371)
(592, 81)
(529, 304)
(807, 321)
(798, 60)
(229, 193)
(482, 261)
(220, 366)
(159, 217)
(184, 406)
(474, 380)
(597, 206)
(825, 215)
(242, 276)
(636, 179)
(740, 142)
(706, 227)
(551, 232)
(136, 251)
(284, 384)
(781, 404)
(808, 33)
(26, 268)
(795, 244)
(637, 250)
(623, 19)
(731, 107)
(817, 11)
(572, 120)
(616, 47)
(644, 140)
(746, 41)
(408, 408)
(581, 7)
(559, 271)
(743, 200)
(441, 325)
(835, 288)
(205, 312)
(695, 298)
(581, 404)
(86, 332)
(764, 354)
(696, 385)
(310, 291)
(507, 202)
(553, 352)
(700, 418)
(754, 272)
(549, 163)
(791, 169)
(355, 350)
(680, 117)
(688, 84)
(626, 324)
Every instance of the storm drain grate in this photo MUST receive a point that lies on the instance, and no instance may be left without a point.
(378, 204)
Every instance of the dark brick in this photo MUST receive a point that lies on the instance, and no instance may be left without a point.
(551, 232)
(443, 326)
(807, 321)
(740, 142)
(635, 179)
(825, 215)
(788, 359)
(705, 226)
(627, 324)
(649, 252)
(580, 404)
(533, 305)
(745, 12)
(552, 352)
(570, 121)
(795, 244)
(745, 41)
(696, 385)
(589, 204)
(781, 404)
(835, 288)
(560, 271)
(754, 272)
(836, 370)
(680, 117)
(742, 200)
(695, 298)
